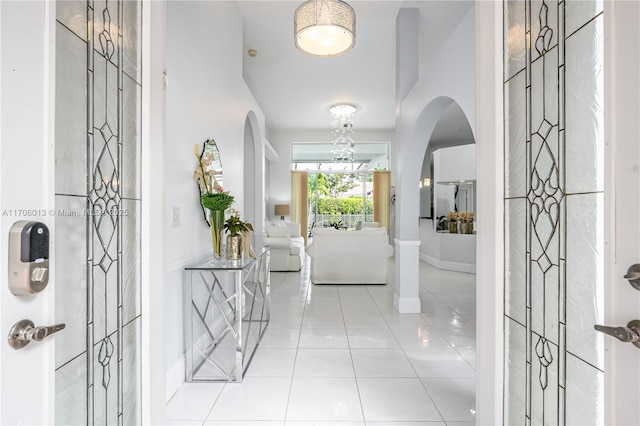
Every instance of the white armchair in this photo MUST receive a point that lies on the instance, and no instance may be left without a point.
(349, 257)
(287, 246)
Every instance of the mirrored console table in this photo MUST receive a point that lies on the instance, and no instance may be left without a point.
(227, 311)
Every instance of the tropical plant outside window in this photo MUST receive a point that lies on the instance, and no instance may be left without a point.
(340, 192)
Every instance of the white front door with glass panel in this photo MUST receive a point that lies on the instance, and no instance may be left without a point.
(571, 211)
(26, 193)
(71, 128)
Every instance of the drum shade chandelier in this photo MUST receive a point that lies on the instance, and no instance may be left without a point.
(325, 28)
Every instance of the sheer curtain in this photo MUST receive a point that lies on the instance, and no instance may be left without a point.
(382, 198)
(299, 191)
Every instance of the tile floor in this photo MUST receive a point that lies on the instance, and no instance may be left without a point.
(341, 355)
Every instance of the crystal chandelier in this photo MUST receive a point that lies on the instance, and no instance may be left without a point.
(325, 28)
(343, 142)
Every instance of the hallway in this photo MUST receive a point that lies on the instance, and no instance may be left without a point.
(341, 355)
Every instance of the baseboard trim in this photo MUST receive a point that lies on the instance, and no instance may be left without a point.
(175, 377)
(469, 268)
(406, 305)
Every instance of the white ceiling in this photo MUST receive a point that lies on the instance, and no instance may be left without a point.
(295, 90)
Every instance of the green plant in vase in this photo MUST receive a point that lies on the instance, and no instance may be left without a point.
(239, 233)
(212, 198)
(217, 203)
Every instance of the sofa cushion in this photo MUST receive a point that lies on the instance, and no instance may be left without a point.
(325, 231)
(277, 231)
(374, 230)
(294, 229)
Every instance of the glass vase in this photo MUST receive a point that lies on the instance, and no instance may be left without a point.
(217, 226)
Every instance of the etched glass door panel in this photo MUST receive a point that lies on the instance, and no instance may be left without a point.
(554, 245)
(97, 150)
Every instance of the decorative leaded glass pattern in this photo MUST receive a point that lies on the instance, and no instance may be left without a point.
(98, 112)
(553, 60)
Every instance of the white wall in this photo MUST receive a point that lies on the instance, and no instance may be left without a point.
(447, 77)
(206, 98)
(280, 178)
(455, 163)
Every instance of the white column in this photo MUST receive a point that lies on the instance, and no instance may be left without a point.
(406, 298)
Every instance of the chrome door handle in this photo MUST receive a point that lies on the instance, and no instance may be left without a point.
(630, 333)
(24, 332)
(633, 275)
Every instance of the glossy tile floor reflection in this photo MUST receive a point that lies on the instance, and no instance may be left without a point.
(341, 355)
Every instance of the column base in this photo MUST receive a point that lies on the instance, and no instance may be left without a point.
(406, 305)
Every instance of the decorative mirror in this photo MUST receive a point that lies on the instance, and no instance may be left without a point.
(212, 171)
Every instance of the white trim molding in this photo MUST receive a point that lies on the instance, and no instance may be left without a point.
(175, 377)
(406, 299)
(490, 237)
(469, 268)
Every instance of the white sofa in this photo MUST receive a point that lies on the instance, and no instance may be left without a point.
(349, 257)
(287, 246)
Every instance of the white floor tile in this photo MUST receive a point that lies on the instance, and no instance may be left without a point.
(285, 320)
(371, 338)
(323, 321)
(243, 423)
(323, 363)
(193, 401)
(381, 363)
(324, 400)
(420, 338)
(460, 338)
(272, 362)
(354, 293)
(287, 308)
(455, 398)
(332, 308)
(446, 320)
(323, 338)
(353, 321)
(317, 423)
(359, 308)
(407, 424)
(469, 355)
(280, 338)
(253, 399)
(320, 297)
(387, 399)
(320, 336)
(439, 363)
(400, 321)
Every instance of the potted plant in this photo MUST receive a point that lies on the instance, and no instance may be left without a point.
(452, 220)
(466, 222)
(212, 198)
(237, 230)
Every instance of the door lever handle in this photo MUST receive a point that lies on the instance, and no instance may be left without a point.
(630, 333)
(23, 332)
(633, 275)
